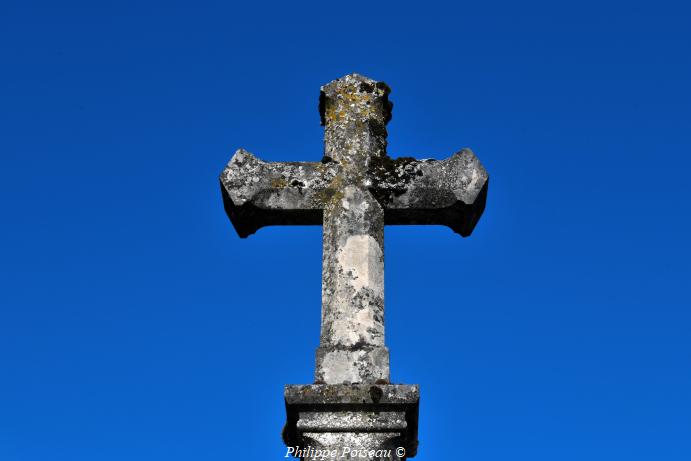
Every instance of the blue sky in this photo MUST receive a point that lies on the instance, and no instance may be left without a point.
(135, 325)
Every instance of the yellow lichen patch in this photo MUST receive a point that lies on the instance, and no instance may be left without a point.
(350, 97)
(279, 183)
(333, 193)
(335, 113)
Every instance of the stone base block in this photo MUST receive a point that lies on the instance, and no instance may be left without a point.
(341, 421)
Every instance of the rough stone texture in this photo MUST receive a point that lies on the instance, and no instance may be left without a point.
(354, 191)
(377, 419)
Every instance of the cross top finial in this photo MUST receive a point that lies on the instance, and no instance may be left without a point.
(354, 95)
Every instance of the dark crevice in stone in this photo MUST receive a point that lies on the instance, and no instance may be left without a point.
(322, 108)
(376, 393)
(391, 176)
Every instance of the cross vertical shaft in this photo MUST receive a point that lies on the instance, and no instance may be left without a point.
(352, 348)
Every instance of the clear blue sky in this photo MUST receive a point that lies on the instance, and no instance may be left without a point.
(135, 325)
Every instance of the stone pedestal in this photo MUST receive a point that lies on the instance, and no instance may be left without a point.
(343, 421)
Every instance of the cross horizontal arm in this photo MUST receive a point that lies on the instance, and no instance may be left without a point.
(449, 192)
(258, 193)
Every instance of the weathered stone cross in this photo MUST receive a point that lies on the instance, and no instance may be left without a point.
(354, 191)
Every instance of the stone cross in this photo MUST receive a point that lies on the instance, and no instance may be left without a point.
(353, 192)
